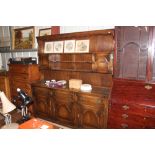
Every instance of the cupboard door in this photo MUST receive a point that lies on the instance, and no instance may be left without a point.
(93, 112)
(63, 106)
(132, 52)
(42, 104)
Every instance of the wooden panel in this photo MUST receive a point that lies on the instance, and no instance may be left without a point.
(42, 103)
(4, 84)
(96, 79)
(103, 38)
(132, 47)
(16, 68)
(63, 107)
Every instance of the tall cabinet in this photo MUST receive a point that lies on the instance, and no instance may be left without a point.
(134, 57)
(132, 102)
(21, 76)
(72, 107)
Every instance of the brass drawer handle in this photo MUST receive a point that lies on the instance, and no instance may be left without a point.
(125, 116)
(148, 87)
(98, 101)
(125, 107)
(124, 126)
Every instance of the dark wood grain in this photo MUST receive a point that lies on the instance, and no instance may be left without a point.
(21, 76)
(71, 108)
(132, 104)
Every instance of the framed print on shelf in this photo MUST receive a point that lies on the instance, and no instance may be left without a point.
(23, 38)
(69, 46)
(45, 32)
(58, 46)
(82, 46)
(48, 47)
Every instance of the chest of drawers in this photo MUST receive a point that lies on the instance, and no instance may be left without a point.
(21, 76)
(132, 105)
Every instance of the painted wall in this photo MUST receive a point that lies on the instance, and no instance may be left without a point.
(63, 29)
(0, 61)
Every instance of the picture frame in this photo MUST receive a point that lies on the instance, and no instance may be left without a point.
(23, 38)
(58, 46)
(48, 48)
(45, 32)
(69, 46)
(82, 46)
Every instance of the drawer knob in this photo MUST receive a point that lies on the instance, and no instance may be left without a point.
(125, 107)
(124, 116)
(98, 101)
(124, 126)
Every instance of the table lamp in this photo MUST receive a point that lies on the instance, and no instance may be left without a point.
(7, 107)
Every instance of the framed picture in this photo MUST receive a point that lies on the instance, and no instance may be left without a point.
(45, 32)
(23, 38)
(48, 47)
(58, 46)
(69, 46)
(82, 46)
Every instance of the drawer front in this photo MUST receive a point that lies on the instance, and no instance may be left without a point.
(18, 69)
(19, 77)
(124, 120)
(150, 111)
(24, 86)
(125, 125)
(62, 96)
(128, 108)
(91, 100)
(40, 91)
(149, 122)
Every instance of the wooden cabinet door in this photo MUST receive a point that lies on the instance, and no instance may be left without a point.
(93, 112)
(132, 45)
(42, 104)
(63, 106)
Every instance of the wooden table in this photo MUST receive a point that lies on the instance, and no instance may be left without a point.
(36, 123)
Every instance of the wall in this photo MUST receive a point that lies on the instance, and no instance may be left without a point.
(63, 29)
(0, 61)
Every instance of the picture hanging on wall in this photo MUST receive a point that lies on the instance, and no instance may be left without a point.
(45, 32)
(69, 46)
(48, 47)
(82, 46)
(23, 38)
(58, 46)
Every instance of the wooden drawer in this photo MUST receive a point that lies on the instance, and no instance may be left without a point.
(150, 111)
(19, 77)
(15, 68)
(24, 86)
(125, 125)
(38, 91)
(88, 100)
(124, 120)
(127, 108)
(149, 122)
(62, 96)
